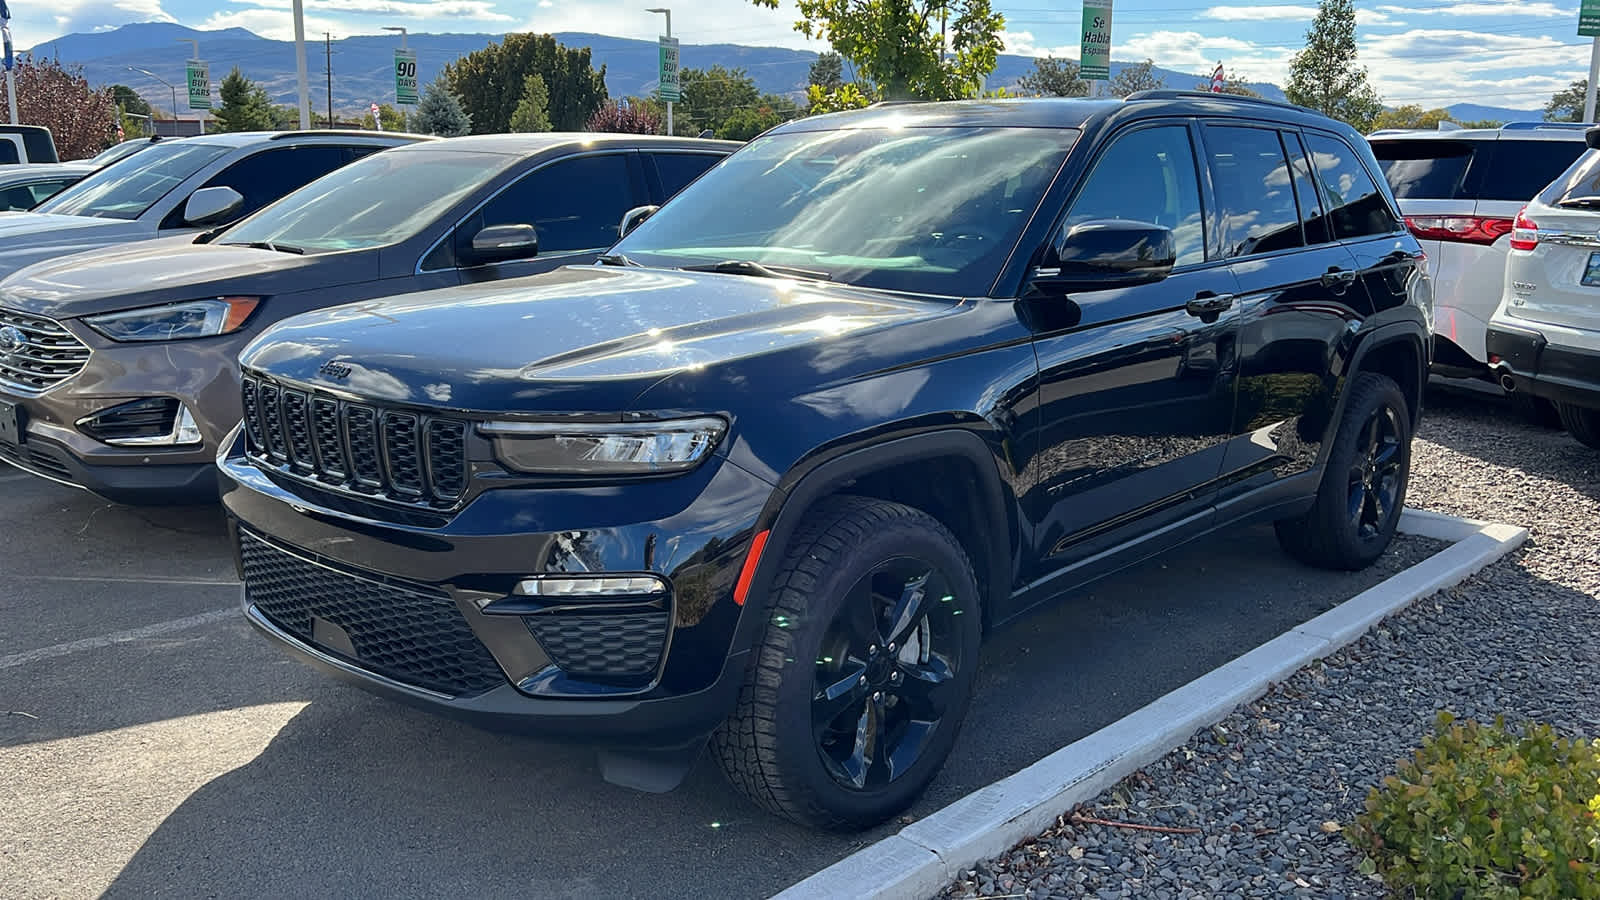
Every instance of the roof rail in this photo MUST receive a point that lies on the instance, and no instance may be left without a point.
(1534, 126)
(345, 132)
(1171, 94)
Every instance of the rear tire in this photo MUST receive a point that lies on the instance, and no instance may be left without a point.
(839, 736)
(1363, 491)
(1536, 411)
(1582, 423)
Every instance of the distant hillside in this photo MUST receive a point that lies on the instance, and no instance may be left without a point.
(362, 65)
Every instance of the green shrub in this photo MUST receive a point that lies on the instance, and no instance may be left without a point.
(1483, 811)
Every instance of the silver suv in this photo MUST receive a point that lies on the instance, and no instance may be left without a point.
(1544, 339)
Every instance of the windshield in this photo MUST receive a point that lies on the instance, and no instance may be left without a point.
(131, 185)
(922, 210)
(110, 155)
(359, 206)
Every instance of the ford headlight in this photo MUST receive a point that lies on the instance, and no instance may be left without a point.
(607, 448)
(176, 321)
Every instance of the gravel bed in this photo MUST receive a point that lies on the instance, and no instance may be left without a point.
(1267, 792)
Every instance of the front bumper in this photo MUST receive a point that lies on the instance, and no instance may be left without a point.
(1563, 374)
(133, 484)
(415, 612)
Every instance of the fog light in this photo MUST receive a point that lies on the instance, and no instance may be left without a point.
(154, 422)
(592, 585)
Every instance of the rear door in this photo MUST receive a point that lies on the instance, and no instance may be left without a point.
(1298, 291)
(1361, 218)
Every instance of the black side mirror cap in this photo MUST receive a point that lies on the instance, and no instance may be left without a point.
(1106, 254)
(504, 243)
(1592, 138)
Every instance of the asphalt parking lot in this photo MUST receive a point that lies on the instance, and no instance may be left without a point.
(152, 745)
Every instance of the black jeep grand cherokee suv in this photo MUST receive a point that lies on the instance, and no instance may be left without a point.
(876, 383)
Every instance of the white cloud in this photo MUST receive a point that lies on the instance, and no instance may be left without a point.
(1260, 13)
(1023, 43)
(270, 23)
(74, 16)
(1532, 8)
(704, 22)
(1191, 51)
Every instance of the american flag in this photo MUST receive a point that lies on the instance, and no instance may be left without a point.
(376, 118)
(1217, 80)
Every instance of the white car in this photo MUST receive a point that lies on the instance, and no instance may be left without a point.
(1544, 338)
(1459, 191)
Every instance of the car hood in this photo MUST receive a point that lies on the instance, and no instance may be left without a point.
(168, 270)
(27, 237)
(576, 339)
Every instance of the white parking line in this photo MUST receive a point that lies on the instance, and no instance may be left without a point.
(121, 637)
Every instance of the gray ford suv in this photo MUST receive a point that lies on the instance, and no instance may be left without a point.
(117, 368)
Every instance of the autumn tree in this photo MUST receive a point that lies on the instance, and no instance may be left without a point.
(82, 119)
(633, 118)
(1567, 105)
(490, 82)
(1411, 116)
(1053, 77)
(245, 105)
(1325, 77)
(911, 49)
(1137, 77)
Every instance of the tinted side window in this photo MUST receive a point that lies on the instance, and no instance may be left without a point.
(1148, 176)
(574, 204)
(1355, 205)
(1428, 169)
(17, 199)
(46, 189)
(1581, 181)
(8, 153)
(1312, 218)
(676, 170)
(1254, 191)
(269, 176)
(1519, 170)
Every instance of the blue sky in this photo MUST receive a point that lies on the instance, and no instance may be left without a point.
(1510, 53)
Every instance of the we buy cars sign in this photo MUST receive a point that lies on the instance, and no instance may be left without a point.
(1589, 19)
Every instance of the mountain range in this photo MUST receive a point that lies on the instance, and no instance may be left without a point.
(363, 66)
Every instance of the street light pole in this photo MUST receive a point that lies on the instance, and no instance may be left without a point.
(168, 84)
(304, 82)
(668, 13)
(199, 113)
(401, 29)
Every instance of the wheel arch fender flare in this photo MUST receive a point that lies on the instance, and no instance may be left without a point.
(794, 499)
(1368, 343)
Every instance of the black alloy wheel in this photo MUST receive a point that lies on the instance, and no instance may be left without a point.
(1376, 477)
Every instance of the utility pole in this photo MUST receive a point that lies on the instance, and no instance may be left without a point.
(302, 84)
(328, 41)
(1594, 73)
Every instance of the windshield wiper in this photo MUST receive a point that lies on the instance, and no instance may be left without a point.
(759, 270)
(275, 248)
(617, 259)
(1581, 202)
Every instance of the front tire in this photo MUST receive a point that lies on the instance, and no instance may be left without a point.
(864, 670)
(1363, 490)
(1581, 423)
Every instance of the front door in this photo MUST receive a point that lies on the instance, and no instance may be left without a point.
(1136, 390)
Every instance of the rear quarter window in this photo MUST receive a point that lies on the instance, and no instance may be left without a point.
(1581, 181)
(1519, 170)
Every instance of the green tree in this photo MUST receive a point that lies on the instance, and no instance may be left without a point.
(391, 118)
(1230, 85)
(1135, 78)
(440, 112)
(245, 105)
(1324, 76)
(846, 96)
(911, 49)
(82, 119)
(533, 110)
(1411, 116)
(745, 123)
(1567, 105)
(128, 100)
(1053, 77)
(827, 72)
(710, 97)
(489, 82)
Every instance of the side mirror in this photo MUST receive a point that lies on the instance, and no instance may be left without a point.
(635, 217)
(1106, 254)
(504, 243)
(1592, 138)
(212, 206)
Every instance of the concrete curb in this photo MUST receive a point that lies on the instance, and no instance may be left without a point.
(929, 854)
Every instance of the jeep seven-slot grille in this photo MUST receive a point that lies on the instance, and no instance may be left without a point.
(364, 448)
(39, 354)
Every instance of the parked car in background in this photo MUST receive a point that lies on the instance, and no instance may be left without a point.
(878, 381)
(126, 380)
(1544, 339)
(26, 186)
(124, 149)
(1460, 189)
(26, 144)
(180, 186)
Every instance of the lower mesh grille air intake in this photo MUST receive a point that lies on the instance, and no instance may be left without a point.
(412, 636)
(603, 646)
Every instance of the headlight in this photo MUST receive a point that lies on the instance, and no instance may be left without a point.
(195, 319)
(634, 448)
